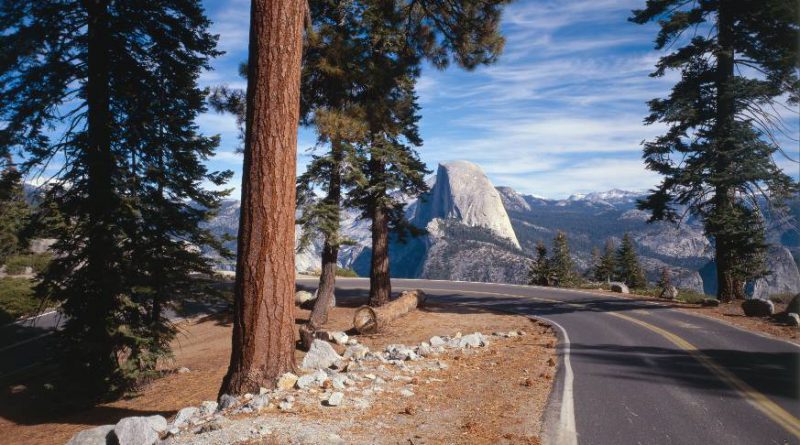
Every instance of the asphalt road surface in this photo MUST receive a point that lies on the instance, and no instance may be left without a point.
(638, 373)
(629, 373)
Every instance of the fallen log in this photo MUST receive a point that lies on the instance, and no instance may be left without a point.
(372, 319)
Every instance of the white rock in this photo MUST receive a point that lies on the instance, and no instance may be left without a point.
(138, 430)
(95, 436)
(621, 288)
(185, 415)
(226, 401)
(184, 370)
(259, 402)
(472, 341)
(208, 408)
(437, 341)
(462, 191)
(335, 399)
(356, 352)
(320, 355)
(339, 337)
(262, 391)
(302, 296)
(793, 319)
(285, 406)
(406, 392)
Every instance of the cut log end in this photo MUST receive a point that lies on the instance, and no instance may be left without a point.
(368, 320)
(365, 320)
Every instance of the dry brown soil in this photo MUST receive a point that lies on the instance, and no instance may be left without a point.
(490, 395)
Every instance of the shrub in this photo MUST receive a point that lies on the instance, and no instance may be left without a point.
(688, 296)
(348, 273)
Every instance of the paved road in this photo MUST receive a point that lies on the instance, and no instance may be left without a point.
(630, 372)
(638, 373)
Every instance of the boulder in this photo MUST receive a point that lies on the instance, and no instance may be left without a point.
(226, 401)
(335, 399)
(793, 319)
(287, 381)
(475, 340)
(314, 379)
(669, 293)
(259, 402)
(302, 296)
(709, 302)
(356, 352)
(320, 355)
(185, 415)
(139, 430)
(437, 341)
(208, 408)
(400, 352)
(755, 307)
(620, 288)
(100, 435)
(338, 337)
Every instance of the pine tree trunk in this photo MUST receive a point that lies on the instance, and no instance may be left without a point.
(380, 286)
(100, 295)
(724, 196)
(263, 324)
(330, 251)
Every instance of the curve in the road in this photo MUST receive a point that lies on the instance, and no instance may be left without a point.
(635, 379)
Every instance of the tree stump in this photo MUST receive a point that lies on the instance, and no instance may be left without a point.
(372, 319)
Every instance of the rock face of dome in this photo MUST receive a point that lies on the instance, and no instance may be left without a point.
(463, 193)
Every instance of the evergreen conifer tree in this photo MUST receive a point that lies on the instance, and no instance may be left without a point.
(628, 269)
(402, 35)
(605, 267)
(562, 267)
(118, 83)
(14, 210)
(738, 62)
(540, 268)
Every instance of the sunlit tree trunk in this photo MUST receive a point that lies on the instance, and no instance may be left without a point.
(263, 325)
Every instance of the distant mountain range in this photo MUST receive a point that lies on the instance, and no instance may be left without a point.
(478, 232)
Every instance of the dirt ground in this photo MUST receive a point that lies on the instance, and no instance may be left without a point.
(732, 313)
(495, 395)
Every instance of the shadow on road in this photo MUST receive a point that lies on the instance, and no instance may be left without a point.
(772, 374)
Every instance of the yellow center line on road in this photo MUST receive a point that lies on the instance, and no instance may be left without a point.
(758, 400)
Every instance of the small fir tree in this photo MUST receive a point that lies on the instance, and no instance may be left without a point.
(540, 268)
(561, 264)
(629, 271)
(605, 267)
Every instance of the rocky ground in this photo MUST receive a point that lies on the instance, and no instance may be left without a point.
(407, 388)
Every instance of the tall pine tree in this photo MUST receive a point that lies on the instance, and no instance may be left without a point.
(738, 62)
(108, 90)
(401, 36)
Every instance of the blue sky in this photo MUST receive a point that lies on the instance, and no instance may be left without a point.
(560, 113)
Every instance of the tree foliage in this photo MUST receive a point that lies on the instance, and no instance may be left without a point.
(627, 267)
(107, 92)
(738, 62)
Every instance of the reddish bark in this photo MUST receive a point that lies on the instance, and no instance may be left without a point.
(263, 325)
